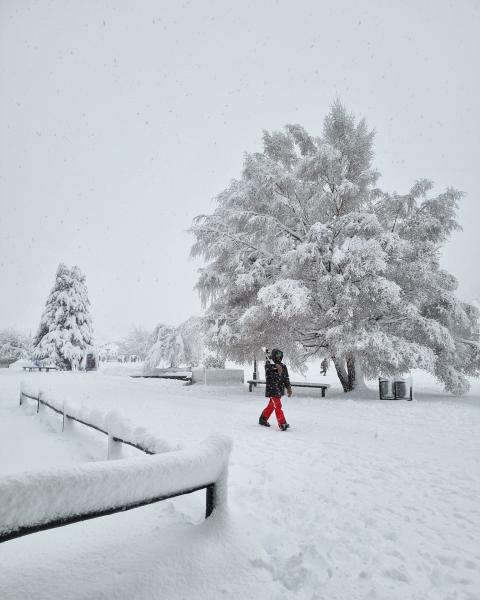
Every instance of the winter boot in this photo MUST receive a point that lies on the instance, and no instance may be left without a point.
(284, 426)
(263, 421)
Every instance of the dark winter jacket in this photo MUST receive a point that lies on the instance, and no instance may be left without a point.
(276, 383)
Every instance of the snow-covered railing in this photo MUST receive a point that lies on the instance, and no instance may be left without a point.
(112, 425)
(43, 499)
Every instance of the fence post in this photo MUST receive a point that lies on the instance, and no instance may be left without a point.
(114, 451)
(217, 493)
(210, 492)
(67, 424)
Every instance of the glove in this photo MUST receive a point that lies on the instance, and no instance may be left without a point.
(289, 392)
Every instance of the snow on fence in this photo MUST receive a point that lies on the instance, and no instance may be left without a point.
(118, 430)
(43, 499)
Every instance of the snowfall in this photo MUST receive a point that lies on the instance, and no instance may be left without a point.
(360, 498)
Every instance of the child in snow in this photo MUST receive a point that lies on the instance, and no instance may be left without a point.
(324, 366)
(276, 376)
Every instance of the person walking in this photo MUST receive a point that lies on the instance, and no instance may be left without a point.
(277, 380)
(324, 366)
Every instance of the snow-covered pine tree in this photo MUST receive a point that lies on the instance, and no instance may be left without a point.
(65, 333)
(306, 253)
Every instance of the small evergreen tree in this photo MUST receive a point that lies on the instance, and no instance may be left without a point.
(65, 333)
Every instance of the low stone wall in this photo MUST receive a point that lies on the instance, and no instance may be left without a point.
(218, 376)
(158, 372)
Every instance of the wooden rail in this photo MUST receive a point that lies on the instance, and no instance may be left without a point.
(62, 517)
(53, 524)
(65, 415)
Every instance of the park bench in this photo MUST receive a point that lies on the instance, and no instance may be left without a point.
(179, 376)
(40, 368)
(322, 386)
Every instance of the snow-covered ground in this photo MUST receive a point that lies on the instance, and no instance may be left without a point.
(360, 499)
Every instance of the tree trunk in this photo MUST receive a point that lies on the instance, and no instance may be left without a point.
(349, 372)
(342, 374)
(356, 378)
(352, 380)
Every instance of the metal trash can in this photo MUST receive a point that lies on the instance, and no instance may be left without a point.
(399, 389)
(385, 389)
(396, 389)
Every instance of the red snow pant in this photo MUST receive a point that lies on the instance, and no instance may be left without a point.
(275, 404)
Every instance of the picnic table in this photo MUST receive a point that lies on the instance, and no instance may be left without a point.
(322, 386)
(46, 368)
(179, 376)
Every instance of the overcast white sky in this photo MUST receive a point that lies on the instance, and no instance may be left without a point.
(120, 121)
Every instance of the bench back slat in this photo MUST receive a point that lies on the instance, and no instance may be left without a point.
(294, 383)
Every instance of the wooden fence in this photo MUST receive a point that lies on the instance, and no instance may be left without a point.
(113, 441)
(41, 500)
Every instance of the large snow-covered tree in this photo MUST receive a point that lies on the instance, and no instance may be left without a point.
(306, 253)
(176, 346)
(65, 333)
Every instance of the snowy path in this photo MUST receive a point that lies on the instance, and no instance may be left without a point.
(361, 499)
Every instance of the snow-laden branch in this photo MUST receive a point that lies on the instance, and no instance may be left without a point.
(302, 217)
(234, 238)
(267, 217)
(472, 343)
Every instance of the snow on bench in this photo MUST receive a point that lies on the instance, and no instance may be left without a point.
(43, 499)
(322, 386)
(181, 376)
(40, 368)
